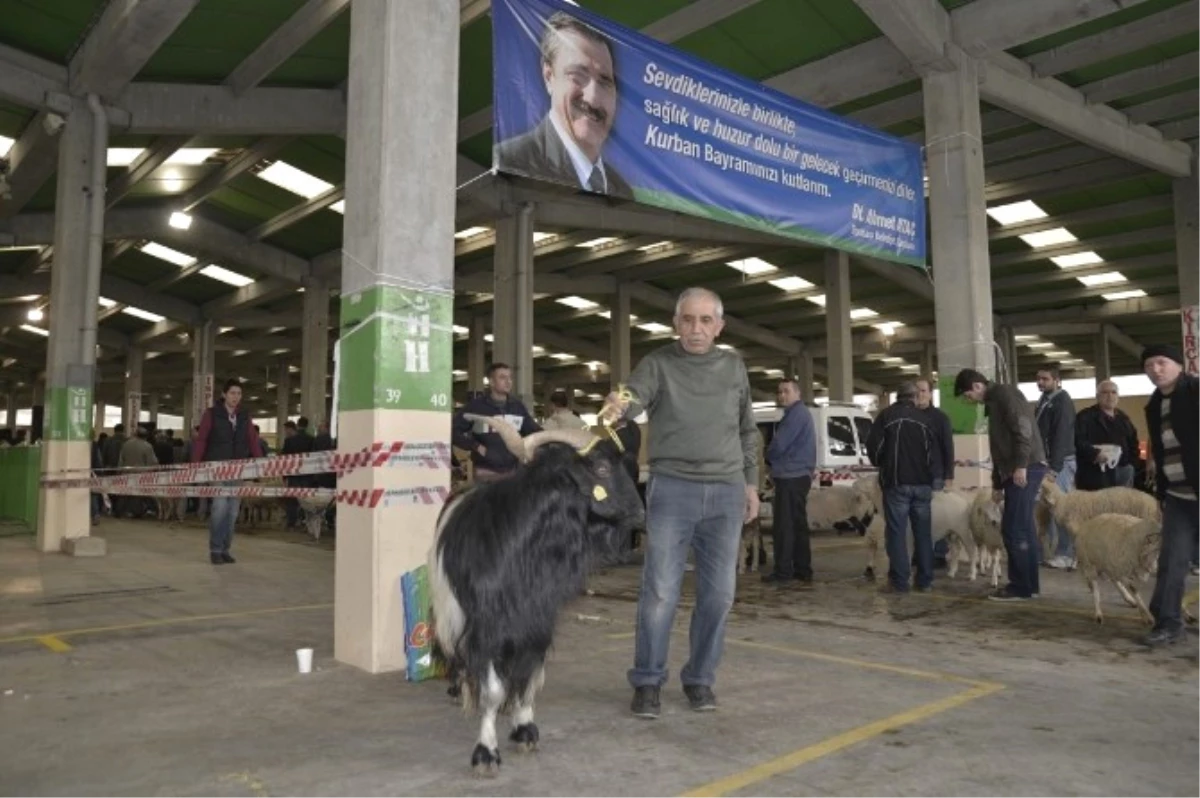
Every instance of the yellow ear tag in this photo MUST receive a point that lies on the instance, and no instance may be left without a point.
(599, 493)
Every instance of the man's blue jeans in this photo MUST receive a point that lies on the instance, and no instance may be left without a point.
(1180, 527)
(904, 505)
(223, 514)
(1019, 534)
(682, 514)
(1066, 480)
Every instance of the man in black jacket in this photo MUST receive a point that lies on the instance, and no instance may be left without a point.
(1055, 416)
(901, 446)
(1104, 424)
(226, 433)
(1018, 466)
(491, 458)
(1171, 418)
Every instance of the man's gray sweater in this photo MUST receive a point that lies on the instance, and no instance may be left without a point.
(701, 414)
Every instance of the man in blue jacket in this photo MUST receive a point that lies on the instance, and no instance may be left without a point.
(491, 458)
(792, 456)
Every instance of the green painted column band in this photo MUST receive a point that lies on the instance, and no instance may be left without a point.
(396, 350)
(966, 418)
(70, 414)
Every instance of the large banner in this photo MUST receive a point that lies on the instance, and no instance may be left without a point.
(584, 102)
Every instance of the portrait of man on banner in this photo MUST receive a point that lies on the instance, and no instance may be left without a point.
(578, 68)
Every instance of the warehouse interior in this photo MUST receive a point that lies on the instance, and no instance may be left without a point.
(1060, 152)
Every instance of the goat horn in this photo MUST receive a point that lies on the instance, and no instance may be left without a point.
(578, 438)
(512, 439)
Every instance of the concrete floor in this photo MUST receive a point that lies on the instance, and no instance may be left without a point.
(170, 676)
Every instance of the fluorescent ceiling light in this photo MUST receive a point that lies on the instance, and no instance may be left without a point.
(294, 180)
(37, 330)
(596, 242)
(608, 315)
(1039, 345)
(338, 207)
(489, 337)
(724, 346)
(1017, 212)
(888, 327)
(751, 266)
(191, 156)
(892, 359)
(122, 156)
(1048, 238)
(5, 145)
(225, 276)
(563, 356)
(1134, 293)
(862, 313)
(791, 283)
(1108, 278)
(1072, 360)
(470, 232)
(538, 350)
(240, 352)
(656, 245)
(1056, 353)
(223, 330)
(1078, 259)
(654, 327)
(143, 314)
(577, 302)
(28, 297)
(540, 237)
(774, 372)
(819, 299)
(459, 373)
(1025, 337)
(595, 397)
(461, 330)
(180, 220)
(168, 254)
(282, 351)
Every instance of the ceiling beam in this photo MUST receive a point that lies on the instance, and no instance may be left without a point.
(920, 29)
(170, 108)
(986, 27)
(267, 147)
(26, 80)
(149, 160)
(1103, 213)
(289, 37)
(1011, 84)
(31, 161)
(1116, 336)
(1135, 81)
(1107, 44)
(297, 213)
(1133, 237)
(543, 283)
(124, 38)
(1122, 308)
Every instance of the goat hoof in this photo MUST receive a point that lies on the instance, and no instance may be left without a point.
(454, 691)
(485, 762)
(525, 736)
(1100, 620)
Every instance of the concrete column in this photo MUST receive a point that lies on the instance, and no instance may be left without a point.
(961, 271)
(154, 404)
(98, 417)
(1187, 245)
(314, 363)
(476, 353)
(1101, 357)
(10, 410)
(204, 344)
(839, 350)
(512, 320)
(800, 367)
(928, 355)
(396, 379)
(620, 360)
(64, 516)
(135, 358)
(283, 397)
(37, 387)
(190, 418)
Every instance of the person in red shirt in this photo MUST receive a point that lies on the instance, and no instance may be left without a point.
(226, 433)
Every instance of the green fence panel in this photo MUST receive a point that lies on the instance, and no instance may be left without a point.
(20, 473)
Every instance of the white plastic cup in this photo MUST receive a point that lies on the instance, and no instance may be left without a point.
(304, 659)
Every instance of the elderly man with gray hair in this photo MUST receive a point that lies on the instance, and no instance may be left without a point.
(703, 455)
(902, 445)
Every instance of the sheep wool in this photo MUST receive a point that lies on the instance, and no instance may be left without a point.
(1071, 510)
(1121, 548)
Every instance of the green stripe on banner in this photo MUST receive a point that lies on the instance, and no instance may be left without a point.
(673, 202)
(396, 350)
(69, 416)
(966, 418)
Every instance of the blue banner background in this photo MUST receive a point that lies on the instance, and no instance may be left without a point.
(813, 175)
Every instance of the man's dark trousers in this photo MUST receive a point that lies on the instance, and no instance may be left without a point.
(904, 505)
(793, 553)
(1020, 535)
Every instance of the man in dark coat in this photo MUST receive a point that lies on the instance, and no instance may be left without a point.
(491, 457)
(226, 433)
(1104, 425)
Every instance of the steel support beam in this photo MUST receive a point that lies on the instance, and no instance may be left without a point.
(289, 37)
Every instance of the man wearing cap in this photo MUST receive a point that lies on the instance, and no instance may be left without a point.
(1018, 465)
(1171, 418)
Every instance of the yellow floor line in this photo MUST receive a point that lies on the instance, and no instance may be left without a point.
(54, 644)
(158, 622)
(860, 663)
(788, 762)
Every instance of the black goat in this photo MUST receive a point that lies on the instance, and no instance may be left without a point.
(508, 555)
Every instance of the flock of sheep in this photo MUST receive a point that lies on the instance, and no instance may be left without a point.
(1117, 531)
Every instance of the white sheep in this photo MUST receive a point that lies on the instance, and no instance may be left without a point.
(988, 550)
(1071, 510)
(1123, 548)
(839, 507)
(949, 519)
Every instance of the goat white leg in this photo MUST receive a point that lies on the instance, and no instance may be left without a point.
(486, 756)
(1143, 610)
(525, 731)
(1094, 584)
(1126, 593)
(995, 568)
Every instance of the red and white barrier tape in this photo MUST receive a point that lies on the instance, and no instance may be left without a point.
(432, 455)
(371, 498)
